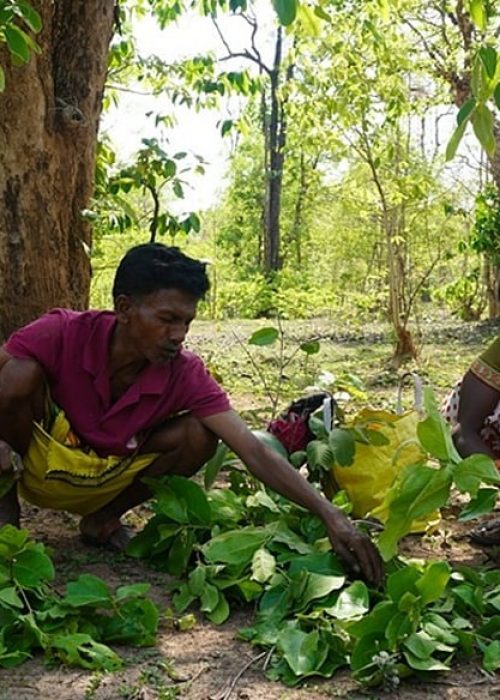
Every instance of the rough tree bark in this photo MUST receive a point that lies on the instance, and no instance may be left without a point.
(49, 116)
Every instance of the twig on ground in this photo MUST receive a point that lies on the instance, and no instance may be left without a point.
(268, 658)
(225, 694)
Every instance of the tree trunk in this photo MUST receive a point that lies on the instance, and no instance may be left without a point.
(49, 116)
(274, 174)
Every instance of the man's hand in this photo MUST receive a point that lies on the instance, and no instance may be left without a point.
(356, 550)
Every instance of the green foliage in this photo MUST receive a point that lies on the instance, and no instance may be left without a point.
(73, 628)
(17, 18)
(485, 238)
(465, 296)
(420, 488)
(310, 617)
(425, 487)
(152, 179)
(271, 373)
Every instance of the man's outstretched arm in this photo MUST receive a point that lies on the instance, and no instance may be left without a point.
(356, 549)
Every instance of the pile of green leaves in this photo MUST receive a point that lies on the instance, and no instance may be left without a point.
(234, 546)
(73, 628)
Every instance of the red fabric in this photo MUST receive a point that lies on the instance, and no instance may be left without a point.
(72, 347)
(292, 431)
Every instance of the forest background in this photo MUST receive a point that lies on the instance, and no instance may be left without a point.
(342, 198)
(362, 204)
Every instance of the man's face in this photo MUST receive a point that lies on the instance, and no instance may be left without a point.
(157, 324)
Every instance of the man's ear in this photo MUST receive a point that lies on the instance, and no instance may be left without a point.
(123, 308)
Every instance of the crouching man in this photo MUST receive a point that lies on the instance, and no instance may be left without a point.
(94, 401)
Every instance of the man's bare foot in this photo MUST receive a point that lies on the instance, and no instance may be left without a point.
(9, 509)
(112, 535)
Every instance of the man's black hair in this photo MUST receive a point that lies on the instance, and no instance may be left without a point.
(147, 268)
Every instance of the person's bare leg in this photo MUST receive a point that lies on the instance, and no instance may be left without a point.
(17, 413)
(185, 445)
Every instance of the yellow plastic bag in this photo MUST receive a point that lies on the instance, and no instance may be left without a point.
(369, 478)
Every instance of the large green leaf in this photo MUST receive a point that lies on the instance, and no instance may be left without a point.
(18, 43)
(284, 535)
(352, 603)
(319, 455)
(482, 122)
(11, 540)
(422, 646)
(264, 336)
(226, 508)
(214, 465)
(301, 650)
(311, 347)
(209, 598)
(466, 110)
(318, 586)
(363, 658)
(87, 590)
(473, 471)
(483, 503)
(456, 138)
(478, 13)
(30, 15)
(419, 491)
(426, 664)
(9, 659)
(491, 658)
(342, 445)
(197, 579)
(144, 542)
(135, 623)
(9, 596)
(434, 581)
(434, 432)
(180, 552)
(221, 611)
(198, 508)
(496, 95)
(286, 10)
(81, 650)
(132, 590)
(169, 503)
(398, 628)
(488, 57)
(263, 565)
(236, 546)
(32, 567)
(401, 582)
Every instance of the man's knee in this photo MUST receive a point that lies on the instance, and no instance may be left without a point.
(183, 444)
(198, 442)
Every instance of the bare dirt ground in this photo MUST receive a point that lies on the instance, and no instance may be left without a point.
(205, 662)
